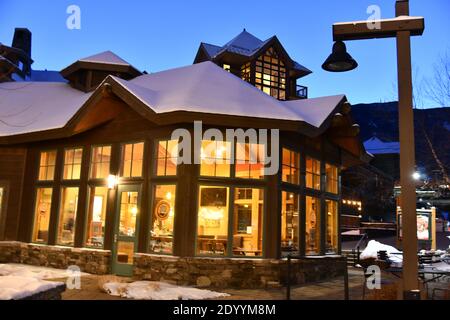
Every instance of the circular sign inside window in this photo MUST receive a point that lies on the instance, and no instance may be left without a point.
(162, 210)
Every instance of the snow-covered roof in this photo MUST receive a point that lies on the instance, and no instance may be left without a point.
(376, 146)
(37, 106)
(107, 57)
(245, 44)
(200, 88)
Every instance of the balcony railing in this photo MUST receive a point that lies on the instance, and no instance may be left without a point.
(302, 92)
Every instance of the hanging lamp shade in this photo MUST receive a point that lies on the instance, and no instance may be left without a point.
(339, 60)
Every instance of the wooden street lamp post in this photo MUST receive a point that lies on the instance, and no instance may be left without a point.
(402, 28)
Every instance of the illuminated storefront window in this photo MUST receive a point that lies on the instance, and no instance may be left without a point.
(42, 215)
(166, 158)
(161, 233)
(248, 222)
(312, 225)
(132, 160)
(270, 74)
(290, 166)
(47, 165)
(289, 223)
(98, 197)
(332, 226)
(312, 173)
(67, 216)
(72, 164)
(128, 213)
(212, 225)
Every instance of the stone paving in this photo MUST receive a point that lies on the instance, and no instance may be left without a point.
(327, 290)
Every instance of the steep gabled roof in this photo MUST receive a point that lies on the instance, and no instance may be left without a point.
(247, 45)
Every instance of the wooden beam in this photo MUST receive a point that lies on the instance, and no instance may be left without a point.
(358, 30)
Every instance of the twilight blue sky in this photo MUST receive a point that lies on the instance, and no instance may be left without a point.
(157, 35)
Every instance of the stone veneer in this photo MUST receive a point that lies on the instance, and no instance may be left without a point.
(88, 260)
(197, 271)
(236, 272)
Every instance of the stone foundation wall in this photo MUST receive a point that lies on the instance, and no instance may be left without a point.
(197, 271)
(88, 260)
(237, 273)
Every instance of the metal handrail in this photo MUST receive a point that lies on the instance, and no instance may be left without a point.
(357, 248)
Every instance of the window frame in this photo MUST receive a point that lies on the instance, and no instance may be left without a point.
(72, 164)
(232, 189)
(122, 160)
(91, 167)
(41, 151)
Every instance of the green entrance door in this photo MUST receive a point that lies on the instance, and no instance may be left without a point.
(126, 229)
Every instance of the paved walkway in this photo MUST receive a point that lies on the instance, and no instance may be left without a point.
(327, 290)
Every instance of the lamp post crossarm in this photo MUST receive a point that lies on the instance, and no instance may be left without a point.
(359, 30)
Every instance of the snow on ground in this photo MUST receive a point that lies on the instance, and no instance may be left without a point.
(153, 290)
(40, 273)
(371, 251)
(17, 287)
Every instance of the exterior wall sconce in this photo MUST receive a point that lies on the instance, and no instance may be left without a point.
(112, 181)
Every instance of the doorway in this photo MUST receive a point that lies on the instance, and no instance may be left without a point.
(126, 229)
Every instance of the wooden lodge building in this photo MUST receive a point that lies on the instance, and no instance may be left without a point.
(87, 177)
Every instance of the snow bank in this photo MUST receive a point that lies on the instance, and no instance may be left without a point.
(371, 251)
(17, 287)
(35, 272)
(153, 290)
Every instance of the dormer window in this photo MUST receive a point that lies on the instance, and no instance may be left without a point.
(227, 67)
(270, 74)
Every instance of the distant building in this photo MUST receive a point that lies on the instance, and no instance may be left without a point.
(16, 61)
(386, 156)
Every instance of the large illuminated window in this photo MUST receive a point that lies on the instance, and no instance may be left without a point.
(312, 173)
(215, 158)
(250, 160)
(248, 222)
(291, 166)
(332, 178)
(245, 72)
(42, 215)
(100, 162)
(132, 160)
(289, 223)
(161, 233)
(270, 74)
(166, 157)
(47, 165)
(312, 225)
(212, 225)
(98, 197)
(332, 226)
(67, 216)
(72, 163)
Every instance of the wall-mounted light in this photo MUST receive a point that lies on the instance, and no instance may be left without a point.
(112, 181)
(416, 175)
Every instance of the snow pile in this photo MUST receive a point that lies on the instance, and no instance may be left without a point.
(35, 272)
(153, 290)
(371, 252)
(17, 287)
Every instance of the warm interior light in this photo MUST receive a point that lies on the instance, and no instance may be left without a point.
(134, 211)
(169, 195)
(112, 181)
